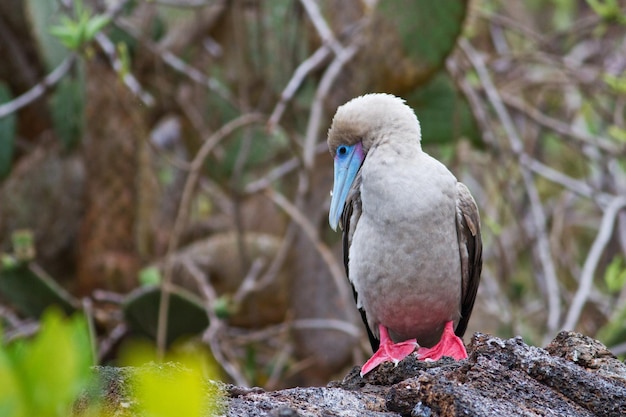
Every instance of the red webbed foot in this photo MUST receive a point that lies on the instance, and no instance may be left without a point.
(388, 351)
(449, 345)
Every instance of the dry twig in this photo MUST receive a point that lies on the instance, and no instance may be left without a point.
(183, 213)
(328, 257)
(538, 214)
(40, 88)
(586, 277)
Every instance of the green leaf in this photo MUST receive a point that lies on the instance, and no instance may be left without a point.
(42, 14)
(608, 10)
(444, 114)
(45, 375)
(23, 245)
(614, 331)
(175, 386)
(76, 33)
(150, 276)
(7, 262)
(617, 133)
(428, 29)
(124, 54)
(31, 291)
(7, 134)
(12, 402)
(615, 275)
(68, 104)
(95, 25)
(67, 36)
(186, 315)
(225, 307)
(616, 83)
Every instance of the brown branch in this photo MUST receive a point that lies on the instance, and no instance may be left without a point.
(561, 128)
(177, 64)
(129, 80)
(304, 69)
(315, 117)
(183, 213)
(215, 330)
(309, 230)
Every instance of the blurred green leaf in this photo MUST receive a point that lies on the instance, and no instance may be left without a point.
(616, 83)
(23, 245)
(94, 25)
(42, 14)
(7, 134)
(67, 102)
(444, 114)
(225, 307)
(66, 32)
(67, 105)
(615, 275)
(614, 331)
(617, 133)
(124, 55)
(7, 261)
(44, 376)
(428, 29)
(31, 291)
(150, 276)
(608, 10)
(186, 314)
(173, 386)
(77, 32)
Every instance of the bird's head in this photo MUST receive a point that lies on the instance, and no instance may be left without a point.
(358, 126)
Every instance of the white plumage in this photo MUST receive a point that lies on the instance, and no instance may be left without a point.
(411, 230)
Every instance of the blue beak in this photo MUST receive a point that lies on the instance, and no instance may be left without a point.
(348, 160)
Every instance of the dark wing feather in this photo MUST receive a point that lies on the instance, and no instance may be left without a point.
(471, 251)
(351, 213)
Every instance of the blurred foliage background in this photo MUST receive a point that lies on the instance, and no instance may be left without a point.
(164, 169)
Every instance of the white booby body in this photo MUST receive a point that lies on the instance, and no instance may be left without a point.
(411, 230)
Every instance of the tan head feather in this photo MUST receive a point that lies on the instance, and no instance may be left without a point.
(370, 118)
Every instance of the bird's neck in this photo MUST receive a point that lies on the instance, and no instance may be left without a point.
(406, 146)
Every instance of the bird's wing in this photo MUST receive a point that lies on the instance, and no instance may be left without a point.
(471, 251)
(349, 219)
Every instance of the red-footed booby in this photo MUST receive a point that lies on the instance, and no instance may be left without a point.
(411, 232)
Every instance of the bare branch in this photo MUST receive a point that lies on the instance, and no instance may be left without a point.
(321, 26)
(332, 324)
(538, 215)
(213, 333)
(280, 171)
(178, 64)
(564, 129)
(38, 89)
(591, 263)
(183, 212)
(572, 184)
(328, 257)
(317, 107)
(250, 281)
(304, 69)
(128, 79)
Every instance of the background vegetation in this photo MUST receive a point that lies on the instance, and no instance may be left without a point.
(164, 168)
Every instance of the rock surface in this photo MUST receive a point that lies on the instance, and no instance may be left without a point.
(573, 376)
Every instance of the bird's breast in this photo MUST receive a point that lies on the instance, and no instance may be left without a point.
(404, 255)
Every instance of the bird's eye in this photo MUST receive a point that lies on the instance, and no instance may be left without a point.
(342, 150)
